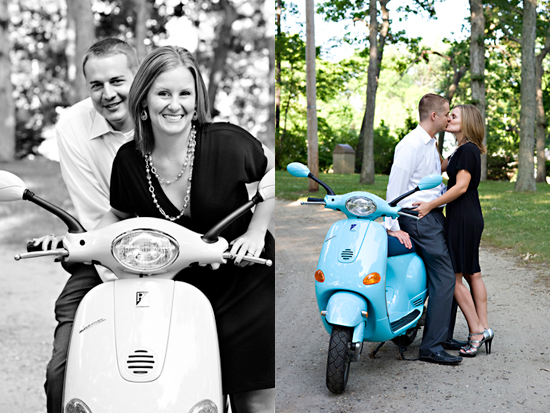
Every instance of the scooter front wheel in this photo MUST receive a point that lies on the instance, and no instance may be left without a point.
(338, 359)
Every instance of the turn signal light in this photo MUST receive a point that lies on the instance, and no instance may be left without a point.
(372, 278)
(319, 276)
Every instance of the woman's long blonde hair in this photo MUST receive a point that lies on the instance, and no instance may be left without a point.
(472, 126)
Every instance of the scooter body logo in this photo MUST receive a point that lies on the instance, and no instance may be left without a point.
(352, 228)
(142, 299)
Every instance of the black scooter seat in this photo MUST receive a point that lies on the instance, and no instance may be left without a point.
(395, 248)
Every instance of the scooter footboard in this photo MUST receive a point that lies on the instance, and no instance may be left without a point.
(345, 308)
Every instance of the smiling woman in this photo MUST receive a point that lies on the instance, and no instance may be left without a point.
(184, 168)
(171, 103)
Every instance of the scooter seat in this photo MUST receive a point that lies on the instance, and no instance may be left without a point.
(396, 248)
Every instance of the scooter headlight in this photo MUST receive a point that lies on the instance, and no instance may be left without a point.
(205, 406)
(145, 250)
(360, 206)
(77, 406)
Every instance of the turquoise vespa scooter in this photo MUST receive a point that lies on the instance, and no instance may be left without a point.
(369, 287)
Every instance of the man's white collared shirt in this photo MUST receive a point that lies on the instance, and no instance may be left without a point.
(87, 147)
(415, 157)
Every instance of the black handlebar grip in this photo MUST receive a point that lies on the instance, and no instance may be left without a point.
(38, 247)
(410, 211)
(310, 199)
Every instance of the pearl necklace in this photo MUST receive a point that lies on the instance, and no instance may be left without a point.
(150, 168)
(185, 163)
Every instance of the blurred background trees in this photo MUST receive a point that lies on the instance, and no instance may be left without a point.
(482, 66)
(42, 44)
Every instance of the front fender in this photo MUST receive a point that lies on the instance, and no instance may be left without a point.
(344, 308)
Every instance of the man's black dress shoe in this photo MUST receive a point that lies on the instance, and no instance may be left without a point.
(440, 357)
(453, 344)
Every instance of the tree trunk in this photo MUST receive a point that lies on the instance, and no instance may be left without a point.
(311, 92)
(477, 68)
(526, 165)
(7, 105)
(278, 70)
(541, 118)
(376, 47)
(142, 15)
(269, 138)
(224, 39)
(81, 35)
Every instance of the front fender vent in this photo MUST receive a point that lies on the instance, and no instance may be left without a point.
(141, 362)
(418, 302)
(347, 254)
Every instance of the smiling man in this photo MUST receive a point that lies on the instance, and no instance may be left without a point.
(89, 135)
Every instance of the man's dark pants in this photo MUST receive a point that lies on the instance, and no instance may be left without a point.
(428, 235)
(83, 278)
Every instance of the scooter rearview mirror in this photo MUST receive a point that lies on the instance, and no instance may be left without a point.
(266, 187)
(298, 170)
(11, 187)
(430, 181)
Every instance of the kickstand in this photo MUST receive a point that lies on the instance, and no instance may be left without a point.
(373, 354)
(402, 349)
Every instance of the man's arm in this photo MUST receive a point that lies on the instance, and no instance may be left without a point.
(88, 196)
(404, 165)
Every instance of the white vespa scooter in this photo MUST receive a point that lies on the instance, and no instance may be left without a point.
(142, 342)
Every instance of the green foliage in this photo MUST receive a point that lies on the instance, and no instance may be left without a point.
(500, 167)
(384, 148)
(39, 69)
(292, 188)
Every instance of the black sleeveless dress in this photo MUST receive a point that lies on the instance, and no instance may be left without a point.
(464, 220)
(226, 158)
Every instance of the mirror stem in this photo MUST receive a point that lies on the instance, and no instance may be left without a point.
(72, 223)
(212, 236)
(401, 197)
(327, 188)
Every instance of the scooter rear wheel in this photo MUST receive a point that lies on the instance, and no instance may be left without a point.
(338, 359)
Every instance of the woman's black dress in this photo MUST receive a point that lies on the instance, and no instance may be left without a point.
(226, 158)
(464, 220)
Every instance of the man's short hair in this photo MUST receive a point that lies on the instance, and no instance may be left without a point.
(109, 47)
(431, 103)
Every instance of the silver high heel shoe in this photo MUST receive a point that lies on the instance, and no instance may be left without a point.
(489, 340)
(474, 345)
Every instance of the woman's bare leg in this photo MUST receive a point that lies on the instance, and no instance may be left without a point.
(466, 303)
(479, 293)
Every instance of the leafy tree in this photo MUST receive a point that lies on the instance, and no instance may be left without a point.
(7, 107)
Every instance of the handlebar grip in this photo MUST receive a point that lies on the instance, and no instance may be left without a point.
(38, 247)
(409, 211)
(311, 199)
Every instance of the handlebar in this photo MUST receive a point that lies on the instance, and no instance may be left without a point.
(408, 212)
(314, 201)
(60, 252)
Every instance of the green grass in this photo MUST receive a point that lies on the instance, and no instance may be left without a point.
(516, 221)
(21, 221)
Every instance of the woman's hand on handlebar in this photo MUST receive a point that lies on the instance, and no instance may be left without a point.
(251, 243)
(402, 236)
(49, 242)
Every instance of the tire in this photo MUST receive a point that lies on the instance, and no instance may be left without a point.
(338, 359)
(407, 338)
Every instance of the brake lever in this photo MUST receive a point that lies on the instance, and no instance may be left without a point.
(249, 258)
